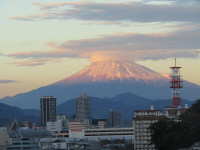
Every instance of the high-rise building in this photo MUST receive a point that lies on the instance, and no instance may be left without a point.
(115, 119)
(83, 108)
(142, 121)
(47, 109)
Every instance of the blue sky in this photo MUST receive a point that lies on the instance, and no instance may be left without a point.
(43, 41)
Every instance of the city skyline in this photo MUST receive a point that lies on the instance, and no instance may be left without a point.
(44, 42)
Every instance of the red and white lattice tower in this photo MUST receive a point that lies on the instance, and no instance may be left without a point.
(176, 85)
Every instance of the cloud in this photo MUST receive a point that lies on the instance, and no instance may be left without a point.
(134, 12)
(26, 18)
(43, 54)
(7, 81)
(28, 63)
(176, 1)
(48, 6)
(181, 38)
(197, 52)
(183, 43)
(36, 61)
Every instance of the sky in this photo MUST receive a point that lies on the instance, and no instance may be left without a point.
(44, 41)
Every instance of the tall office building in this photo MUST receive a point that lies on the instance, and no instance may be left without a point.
(115, 119)
(47, 109)
(83, 108)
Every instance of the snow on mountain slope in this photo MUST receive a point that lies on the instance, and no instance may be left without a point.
(114, 70)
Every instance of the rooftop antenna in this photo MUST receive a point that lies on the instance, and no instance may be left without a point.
(175, 61)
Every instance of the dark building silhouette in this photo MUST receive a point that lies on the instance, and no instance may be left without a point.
(47, 109)
(115, 119)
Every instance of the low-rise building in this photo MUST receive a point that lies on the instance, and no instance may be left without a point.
(76, 124)
(98, 133)
(99, 123)
(55, 126)
(29, 139)
(64, 120)
(5, 140)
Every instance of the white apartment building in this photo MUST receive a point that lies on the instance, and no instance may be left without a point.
(175, 112)
(142, 121)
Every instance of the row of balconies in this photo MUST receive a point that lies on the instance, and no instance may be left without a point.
(145, 121)
(142, 134)
(143, 138)
(142, 125)
(142, 129)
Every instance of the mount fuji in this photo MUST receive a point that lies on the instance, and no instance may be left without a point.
(106, 78)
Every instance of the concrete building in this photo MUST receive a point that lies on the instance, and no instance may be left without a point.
(99, 123)
(64, 120)
(5, 140)
(47, 109)
(83, 109)
(59, 144)
(28, 124)
(55, 126)
(142, 121)
(102, 124)
(76, 124)
(97, 134)
(175, 112)
(115, 119)
(29, 139)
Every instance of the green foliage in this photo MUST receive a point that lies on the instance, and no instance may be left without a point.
(162, 135)
(169, 134)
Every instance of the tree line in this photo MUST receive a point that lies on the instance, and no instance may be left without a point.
(169, 134)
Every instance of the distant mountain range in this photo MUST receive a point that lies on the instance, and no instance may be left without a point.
(126, 103)
(106, 79)
(9, 113)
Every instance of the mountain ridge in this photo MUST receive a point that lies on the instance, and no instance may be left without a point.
(113, 70)
(106, 79)
(124, 102)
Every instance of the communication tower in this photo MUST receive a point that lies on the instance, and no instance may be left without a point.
(176, 84)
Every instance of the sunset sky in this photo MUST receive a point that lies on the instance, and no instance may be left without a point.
(43, 41)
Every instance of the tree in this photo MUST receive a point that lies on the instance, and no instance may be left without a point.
(169, 134)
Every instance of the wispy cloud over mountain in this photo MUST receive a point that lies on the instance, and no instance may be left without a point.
(133, 45)
(36, 61)
(180, 39)
(7, 81)
(127, 11)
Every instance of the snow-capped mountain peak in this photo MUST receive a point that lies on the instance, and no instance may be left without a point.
(107, 70)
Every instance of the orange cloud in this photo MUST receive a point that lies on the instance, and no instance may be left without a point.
(121, 45)
(46, 6)
(25, 18)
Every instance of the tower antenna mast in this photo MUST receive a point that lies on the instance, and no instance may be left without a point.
(176, 84)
